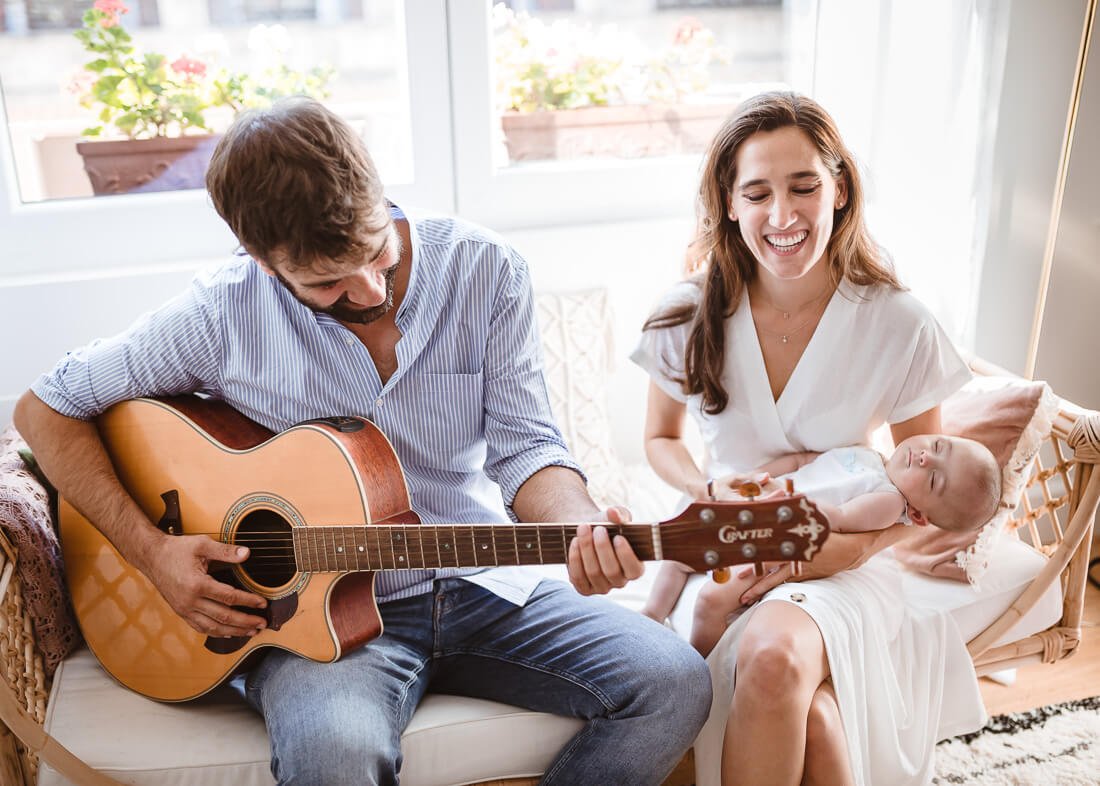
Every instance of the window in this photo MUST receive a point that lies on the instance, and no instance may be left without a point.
(42, 177)
(358, 61)
(416, 76)
(652, 82)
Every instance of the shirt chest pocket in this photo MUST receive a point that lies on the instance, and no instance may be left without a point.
(444, 418)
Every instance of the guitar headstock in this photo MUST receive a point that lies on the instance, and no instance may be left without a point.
(709, 535)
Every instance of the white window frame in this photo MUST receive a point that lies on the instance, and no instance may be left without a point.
(557, 192)
(41, 240)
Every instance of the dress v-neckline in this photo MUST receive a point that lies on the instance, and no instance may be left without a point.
(746, 330)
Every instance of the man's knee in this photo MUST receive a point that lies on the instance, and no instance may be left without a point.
(683, 683)
(336, 753)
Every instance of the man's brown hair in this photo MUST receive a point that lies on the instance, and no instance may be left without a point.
(296, 180)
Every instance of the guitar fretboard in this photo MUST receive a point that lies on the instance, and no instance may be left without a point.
(397, 547)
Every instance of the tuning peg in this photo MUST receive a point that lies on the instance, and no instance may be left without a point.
(758, 569)
(796, 568)
(720, 575)
(790, 486)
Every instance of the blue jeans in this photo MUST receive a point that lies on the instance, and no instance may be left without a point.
(642, 690)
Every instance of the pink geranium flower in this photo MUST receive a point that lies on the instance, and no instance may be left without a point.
(686, 30)
(112, 8)
(193, 69)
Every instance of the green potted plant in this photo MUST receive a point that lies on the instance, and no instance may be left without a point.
(153, 132)
(566, 91)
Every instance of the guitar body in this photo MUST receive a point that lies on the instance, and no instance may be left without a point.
(199, 467)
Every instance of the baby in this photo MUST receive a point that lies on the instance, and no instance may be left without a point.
(950, 482)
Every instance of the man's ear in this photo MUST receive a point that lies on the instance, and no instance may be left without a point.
(916, 516)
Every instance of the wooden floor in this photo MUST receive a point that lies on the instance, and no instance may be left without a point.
(1077, 677)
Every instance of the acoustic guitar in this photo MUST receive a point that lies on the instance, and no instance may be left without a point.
(322, 507)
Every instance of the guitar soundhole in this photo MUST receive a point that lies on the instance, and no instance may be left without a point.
(269, 539)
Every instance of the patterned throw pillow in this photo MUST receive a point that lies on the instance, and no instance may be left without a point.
(25, 520)
(576, 333)
(1011, 417)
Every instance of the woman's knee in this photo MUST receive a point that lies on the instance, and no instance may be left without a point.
(774, 661)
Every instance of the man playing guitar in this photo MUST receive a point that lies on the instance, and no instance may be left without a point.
(346, 305)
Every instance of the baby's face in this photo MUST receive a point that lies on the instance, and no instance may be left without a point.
(938, 474)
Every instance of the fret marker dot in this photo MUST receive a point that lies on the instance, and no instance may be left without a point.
(446, 546)
(484, 546)
(339, 548)
(400, 559)
(528, 545)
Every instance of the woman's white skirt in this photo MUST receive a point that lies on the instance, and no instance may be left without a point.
(902, 675)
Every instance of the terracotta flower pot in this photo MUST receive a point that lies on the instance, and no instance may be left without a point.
(632, 131)
(128, 166)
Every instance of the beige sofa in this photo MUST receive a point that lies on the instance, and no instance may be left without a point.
(453, 740)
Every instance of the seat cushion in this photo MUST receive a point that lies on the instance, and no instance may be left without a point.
(219, 739)
(450, 740)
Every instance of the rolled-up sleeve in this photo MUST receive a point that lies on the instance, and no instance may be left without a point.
(520, 432)
(175, 349)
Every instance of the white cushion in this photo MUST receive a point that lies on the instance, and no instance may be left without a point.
(450, 740)
(219, 739)
(1012, 566)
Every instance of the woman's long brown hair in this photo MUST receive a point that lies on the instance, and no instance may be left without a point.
(722, 263)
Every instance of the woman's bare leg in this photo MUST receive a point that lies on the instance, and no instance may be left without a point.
(826, 746)
(780, 665)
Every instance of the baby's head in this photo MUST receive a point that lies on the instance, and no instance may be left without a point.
(951, 482)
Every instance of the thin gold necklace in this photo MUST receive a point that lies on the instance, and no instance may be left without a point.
(787, 314)
(785, 337)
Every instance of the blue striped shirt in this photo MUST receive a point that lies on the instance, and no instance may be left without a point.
(466, 410)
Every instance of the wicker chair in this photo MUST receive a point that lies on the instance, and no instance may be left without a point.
(1055, 517)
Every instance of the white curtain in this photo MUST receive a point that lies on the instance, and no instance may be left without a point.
(915, 88)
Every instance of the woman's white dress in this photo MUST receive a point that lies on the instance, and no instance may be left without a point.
(902, 675)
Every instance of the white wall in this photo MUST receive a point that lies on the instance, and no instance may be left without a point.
(637, 262)
(1043, 43)
(1071, 321)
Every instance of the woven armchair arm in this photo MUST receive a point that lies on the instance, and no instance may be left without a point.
(13, 712)
(1079, 525)
(1084, 438)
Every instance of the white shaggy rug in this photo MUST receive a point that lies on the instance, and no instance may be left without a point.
(1058, 744)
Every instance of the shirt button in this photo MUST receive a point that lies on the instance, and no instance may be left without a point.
(378, 402)
(349, 340)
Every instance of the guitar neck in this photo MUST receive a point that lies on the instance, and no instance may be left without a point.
(404, 546)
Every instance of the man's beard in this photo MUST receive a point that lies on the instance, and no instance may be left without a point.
(342, 308)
